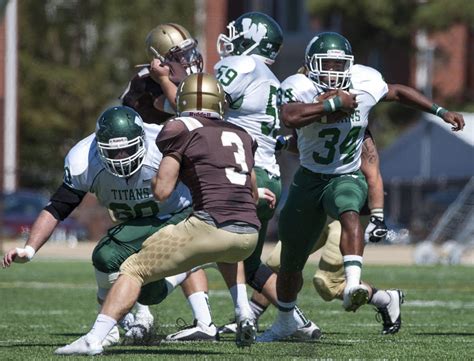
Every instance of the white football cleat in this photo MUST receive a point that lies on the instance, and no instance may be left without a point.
(355, 297)
(279, 330)
(127, 321)
(82, 346)
(198, 331)
(246, 333)
(141, 331)
(309, 332)
(112, 338)
(228, 328)
(391, 314)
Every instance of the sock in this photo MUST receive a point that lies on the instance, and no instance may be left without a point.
(300, 318)
(142, 310)
(380, 298)
(377, 212)
(352, 270)
(257, 308)
(241, 303)
(174, 281)
(199, 302)
(101, 328)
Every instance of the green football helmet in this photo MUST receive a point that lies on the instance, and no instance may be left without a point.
(120, 137)
(329, 60)
(252, 33)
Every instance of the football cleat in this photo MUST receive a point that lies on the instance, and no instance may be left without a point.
(112, 338)
(141, 331)
(391, 314)
(127, 321)
(228, 328)
(355, 297)
(246, 333)
(309, 332)
(279, 330)
(82, 346)
(198, 331)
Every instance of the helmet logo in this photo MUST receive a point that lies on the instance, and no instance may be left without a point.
(119, 142)
(253, 31)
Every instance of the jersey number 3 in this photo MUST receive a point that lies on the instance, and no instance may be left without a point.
(236, 175)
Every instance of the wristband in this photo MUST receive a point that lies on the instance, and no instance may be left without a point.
(332, 105)
(261, 193)
(28, 252)
(437, 110)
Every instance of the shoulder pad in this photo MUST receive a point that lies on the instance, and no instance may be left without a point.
(145, 71)
(242, 63)
(298, 88)
(76, 160)
(369, 80)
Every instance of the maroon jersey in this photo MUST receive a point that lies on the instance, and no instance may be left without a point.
(216, 160)
(142, 91)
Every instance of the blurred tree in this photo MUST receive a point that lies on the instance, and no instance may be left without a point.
(75, 59)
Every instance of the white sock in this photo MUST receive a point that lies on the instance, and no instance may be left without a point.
(142, 310)
(257, 308)
(241, 302)
(380, 299)
(101, 328)
(352, 270)
(174, 281)
(199, 302)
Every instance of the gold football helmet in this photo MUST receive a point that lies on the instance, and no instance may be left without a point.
(200, 94)
(173, 43)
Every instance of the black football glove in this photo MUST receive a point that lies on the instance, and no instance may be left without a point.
(376, 230)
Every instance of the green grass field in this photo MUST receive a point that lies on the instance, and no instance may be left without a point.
(48, 304)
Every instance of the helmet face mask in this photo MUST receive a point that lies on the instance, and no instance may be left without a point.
(200, 95)
(173, 43)
(252, 33)
(329, 61)
(120, 138)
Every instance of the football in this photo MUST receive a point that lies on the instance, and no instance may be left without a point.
(333, 117)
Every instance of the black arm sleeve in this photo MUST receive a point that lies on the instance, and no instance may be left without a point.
(64, 201)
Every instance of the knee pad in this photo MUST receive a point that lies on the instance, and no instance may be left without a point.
(104, 282)
(257, 279)
(273, 260)
(328, 287)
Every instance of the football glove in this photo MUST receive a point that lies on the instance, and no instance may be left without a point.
(376, 230)
(24, 254)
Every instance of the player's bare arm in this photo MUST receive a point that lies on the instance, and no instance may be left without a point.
(164, 182)
(370, 168)
(39, 234)
(413, 98)
(297, 115)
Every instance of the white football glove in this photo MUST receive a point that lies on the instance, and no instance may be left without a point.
(376, 230)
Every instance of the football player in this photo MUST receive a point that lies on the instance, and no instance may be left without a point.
(223, 226)
(116, 164)
(329, 279)
(173, 54)
(250, 47)
(329, 182)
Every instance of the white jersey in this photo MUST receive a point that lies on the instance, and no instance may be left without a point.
(126, 198)
(335, 148)
(253, 90)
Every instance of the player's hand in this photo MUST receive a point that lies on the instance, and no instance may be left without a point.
(348, 100)
(159, 70)
(455, 119)
(268, 195)
(376, 230)
(18, 255)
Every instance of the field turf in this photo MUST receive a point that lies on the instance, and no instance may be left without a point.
(47, 304)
